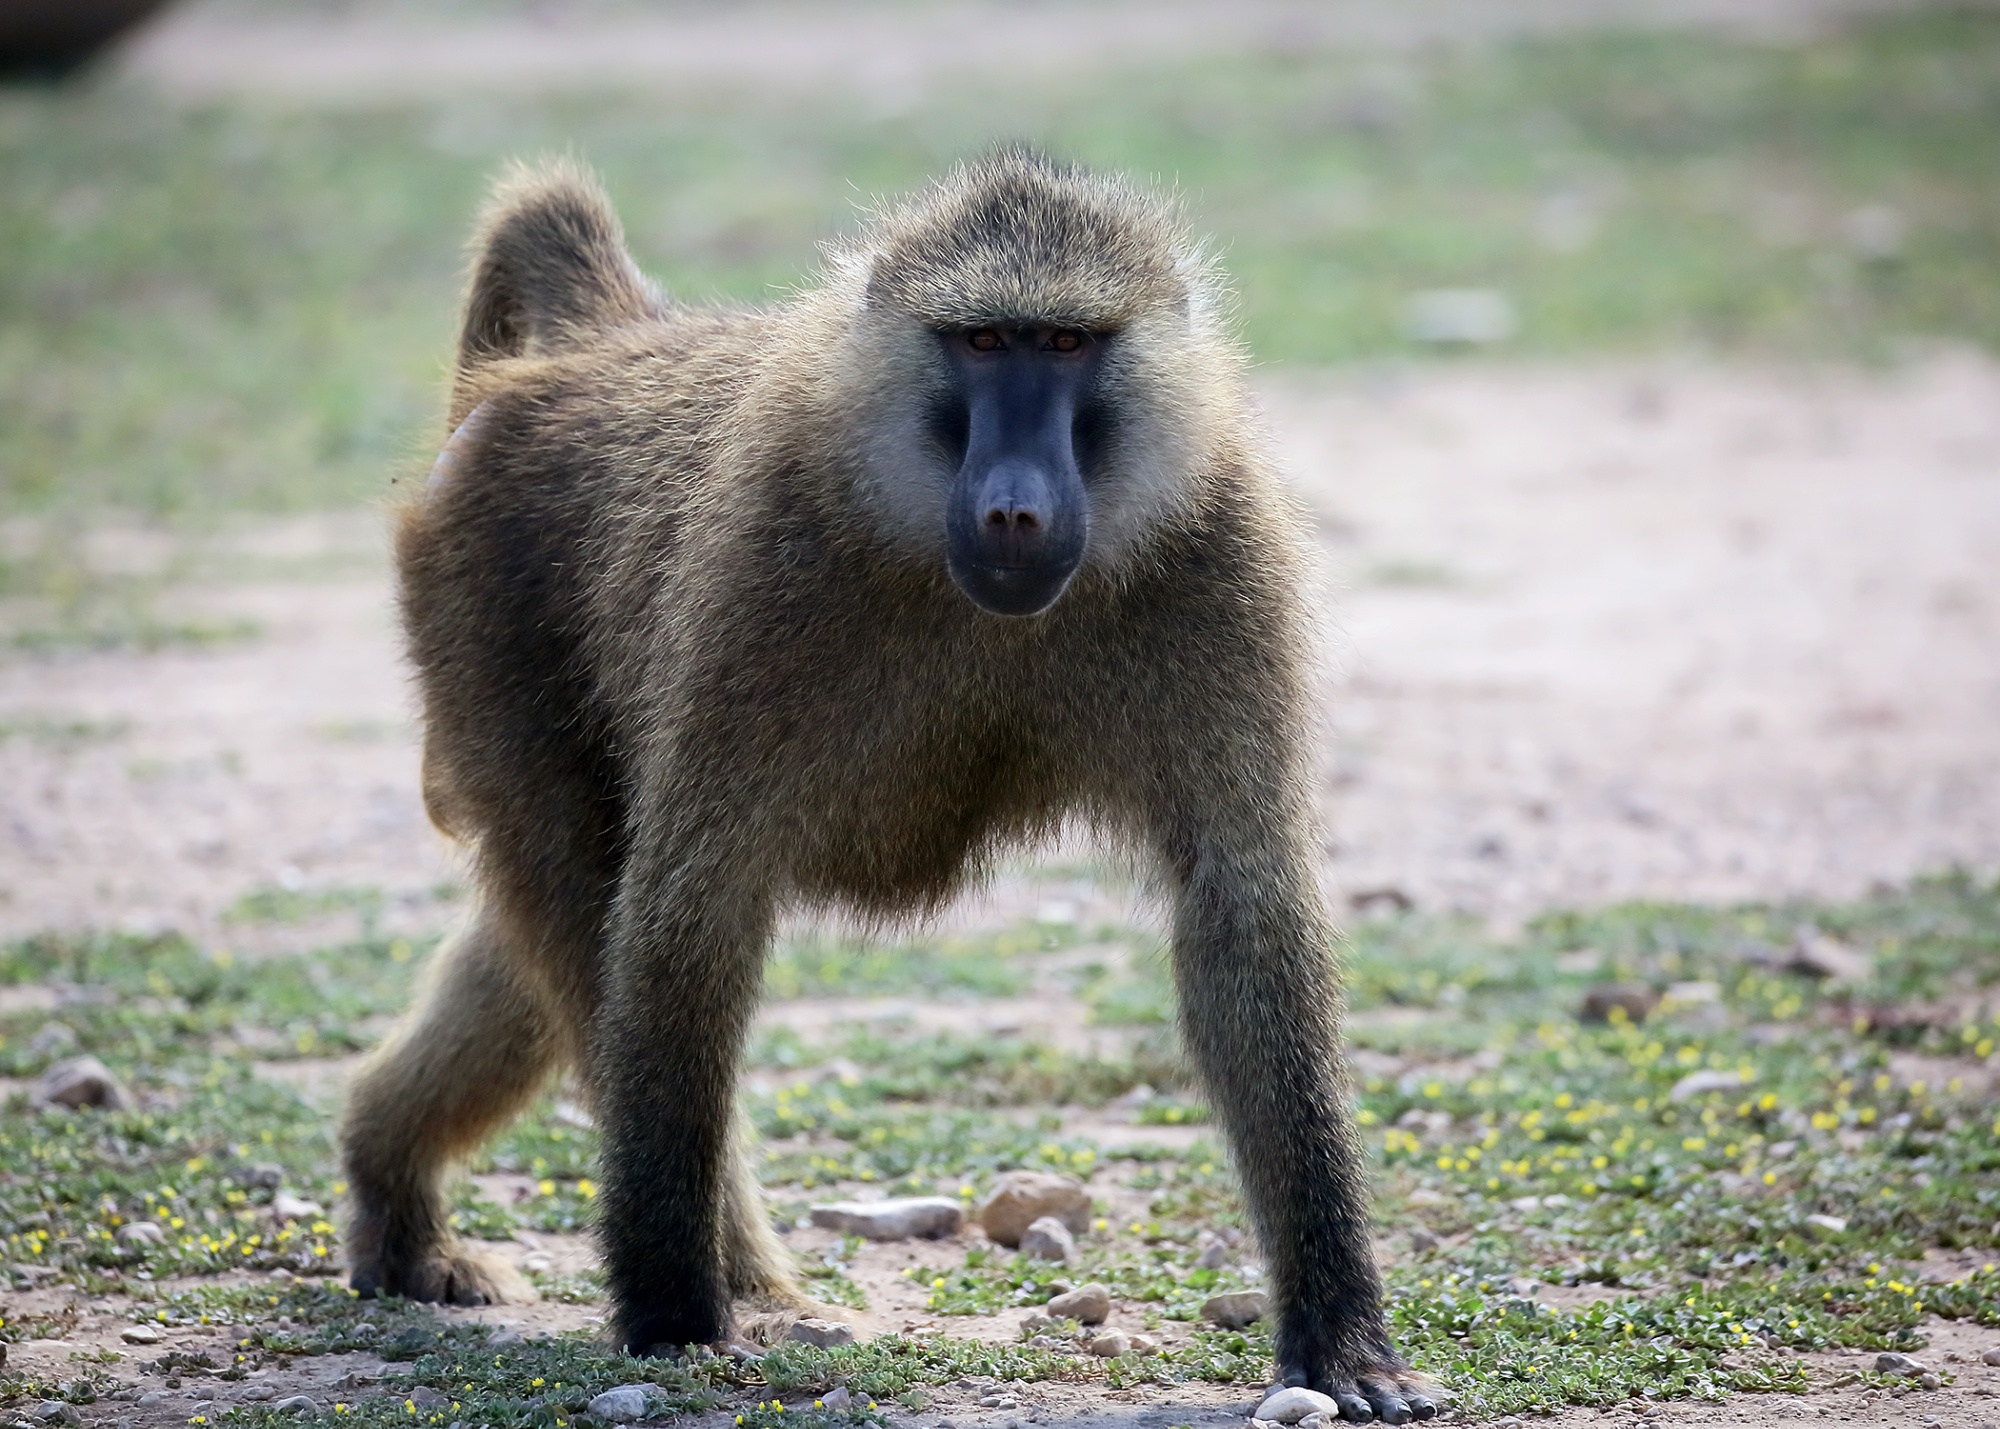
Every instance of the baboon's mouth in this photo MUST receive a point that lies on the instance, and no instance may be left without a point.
(1012, 590)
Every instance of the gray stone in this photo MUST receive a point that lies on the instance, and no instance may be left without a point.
(621, 1405)
(262, 1176)
(140, 1335)
(1991, 1356)
(150, 1398)
(836, 1398)
(1816, 955)
(78, 1082)
(296, 1404)
(424, 1397)
(1145, 1345)
(1111, 1344)
(1237, 1310)
(287, 1207)
(1289, 1406)
(55, 1411)
(1891, 1363)
(141, 1233)
(55, 1039)
(1020, 1198)
(820, 1334)
(1087, 1305)
(1700, 1084)
(908, 1218)
(1048, 1239)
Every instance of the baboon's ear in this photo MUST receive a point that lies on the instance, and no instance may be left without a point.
(549, 267)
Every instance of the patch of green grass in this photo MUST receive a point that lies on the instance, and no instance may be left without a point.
(1159, 1277)
(274, 904)
(827, 1277)
(846, 967)
(909, 1146)
(70, 1181)
(967, 1070)
(94, 625)
(62, 733)
(140, 1002)
(1766, 1164)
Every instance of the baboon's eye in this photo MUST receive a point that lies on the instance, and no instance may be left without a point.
(983, 340)
(1066, 341)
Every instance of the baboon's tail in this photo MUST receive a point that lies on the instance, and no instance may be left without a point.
(550, 267)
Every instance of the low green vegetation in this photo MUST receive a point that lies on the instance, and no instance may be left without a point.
(1744, 1159)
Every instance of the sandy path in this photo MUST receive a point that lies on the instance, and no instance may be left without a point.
(1656, 631)
(1660, 632)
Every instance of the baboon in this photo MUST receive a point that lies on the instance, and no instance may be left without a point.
(722, 611)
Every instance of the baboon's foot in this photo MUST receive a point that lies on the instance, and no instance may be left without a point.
(449, 1275)
(1370, 1385)
(669, 1332)
(767, 1320)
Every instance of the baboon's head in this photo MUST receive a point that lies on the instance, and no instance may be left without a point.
(1030, 351)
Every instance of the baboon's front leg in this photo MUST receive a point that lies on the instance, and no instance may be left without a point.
(1254, 967)
(682, 983)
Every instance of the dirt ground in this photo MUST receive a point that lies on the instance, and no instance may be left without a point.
(1656, 631)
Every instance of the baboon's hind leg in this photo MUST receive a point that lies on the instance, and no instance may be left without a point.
(758, 1264)
(476, 1047)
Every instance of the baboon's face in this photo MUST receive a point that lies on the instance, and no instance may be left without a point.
(1018, 409)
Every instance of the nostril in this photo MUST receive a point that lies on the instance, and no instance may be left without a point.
(1002, 518)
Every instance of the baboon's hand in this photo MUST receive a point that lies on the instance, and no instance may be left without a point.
(449, 1275)
(1368, 1384)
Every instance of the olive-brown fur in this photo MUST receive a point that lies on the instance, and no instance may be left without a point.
(690, 657)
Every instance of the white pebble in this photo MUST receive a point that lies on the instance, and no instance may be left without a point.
(1290, 1405)
(907, 1218)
